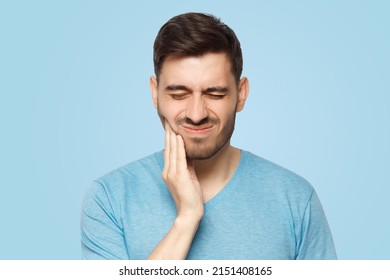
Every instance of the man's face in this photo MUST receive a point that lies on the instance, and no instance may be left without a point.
(199, 98)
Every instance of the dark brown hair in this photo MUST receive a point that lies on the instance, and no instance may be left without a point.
(195, 34)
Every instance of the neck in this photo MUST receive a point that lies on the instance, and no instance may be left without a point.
(214, 173)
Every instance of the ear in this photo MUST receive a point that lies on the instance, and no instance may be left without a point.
(243, 91)
(153, 89)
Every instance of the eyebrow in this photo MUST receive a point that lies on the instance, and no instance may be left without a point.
(177, 88)
(207, 90)
(216, 89)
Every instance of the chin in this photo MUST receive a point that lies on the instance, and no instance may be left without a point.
(202, 152)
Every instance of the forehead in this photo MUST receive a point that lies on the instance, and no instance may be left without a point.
(210, 68)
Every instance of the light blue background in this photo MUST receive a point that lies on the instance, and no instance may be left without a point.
(75, 104)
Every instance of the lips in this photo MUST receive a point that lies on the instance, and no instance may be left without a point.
(197, 129)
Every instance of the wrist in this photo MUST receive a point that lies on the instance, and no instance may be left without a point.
(189, 219)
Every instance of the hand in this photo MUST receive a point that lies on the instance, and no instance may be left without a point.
(179, 175)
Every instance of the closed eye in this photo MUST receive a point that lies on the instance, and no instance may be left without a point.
(217, 92)
(179, 96)
(215, 96)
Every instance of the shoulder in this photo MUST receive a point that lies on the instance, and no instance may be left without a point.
(275, 177)
(134, 175)
(149, 165)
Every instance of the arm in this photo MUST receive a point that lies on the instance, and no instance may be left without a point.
(316, 242)
(180, 177)
(101, 233)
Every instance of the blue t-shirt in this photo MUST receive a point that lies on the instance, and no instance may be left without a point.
(264, 212)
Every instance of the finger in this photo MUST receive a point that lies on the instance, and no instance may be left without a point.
(173, 150)
(166, 148)
(181, 154)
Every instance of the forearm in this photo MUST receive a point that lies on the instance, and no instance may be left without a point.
(176, 244)
(186, 192)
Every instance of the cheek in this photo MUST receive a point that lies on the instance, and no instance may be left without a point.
(168, 112)
(224, 111)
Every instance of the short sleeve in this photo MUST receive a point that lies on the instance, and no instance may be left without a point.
(101, 233)
(315, 241)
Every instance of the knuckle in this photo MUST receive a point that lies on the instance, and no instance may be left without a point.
(168, 177)
(164, 176)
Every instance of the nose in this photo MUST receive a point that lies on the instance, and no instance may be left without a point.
(196, 109)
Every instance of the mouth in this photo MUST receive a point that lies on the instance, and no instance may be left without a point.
(197, 130)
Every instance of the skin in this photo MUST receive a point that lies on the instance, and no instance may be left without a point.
(197, 99)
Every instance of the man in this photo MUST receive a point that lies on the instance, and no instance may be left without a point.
(202, 198)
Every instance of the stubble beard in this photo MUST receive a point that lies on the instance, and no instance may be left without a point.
(201, 149)
(197, 148)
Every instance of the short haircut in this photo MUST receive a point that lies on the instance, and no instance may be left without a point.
(195, 34)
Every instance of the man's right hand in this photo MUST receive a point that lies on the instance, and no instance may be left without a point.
(179, 175)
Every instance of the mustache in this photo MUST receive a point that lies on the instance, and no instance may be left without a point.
(204, 121)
